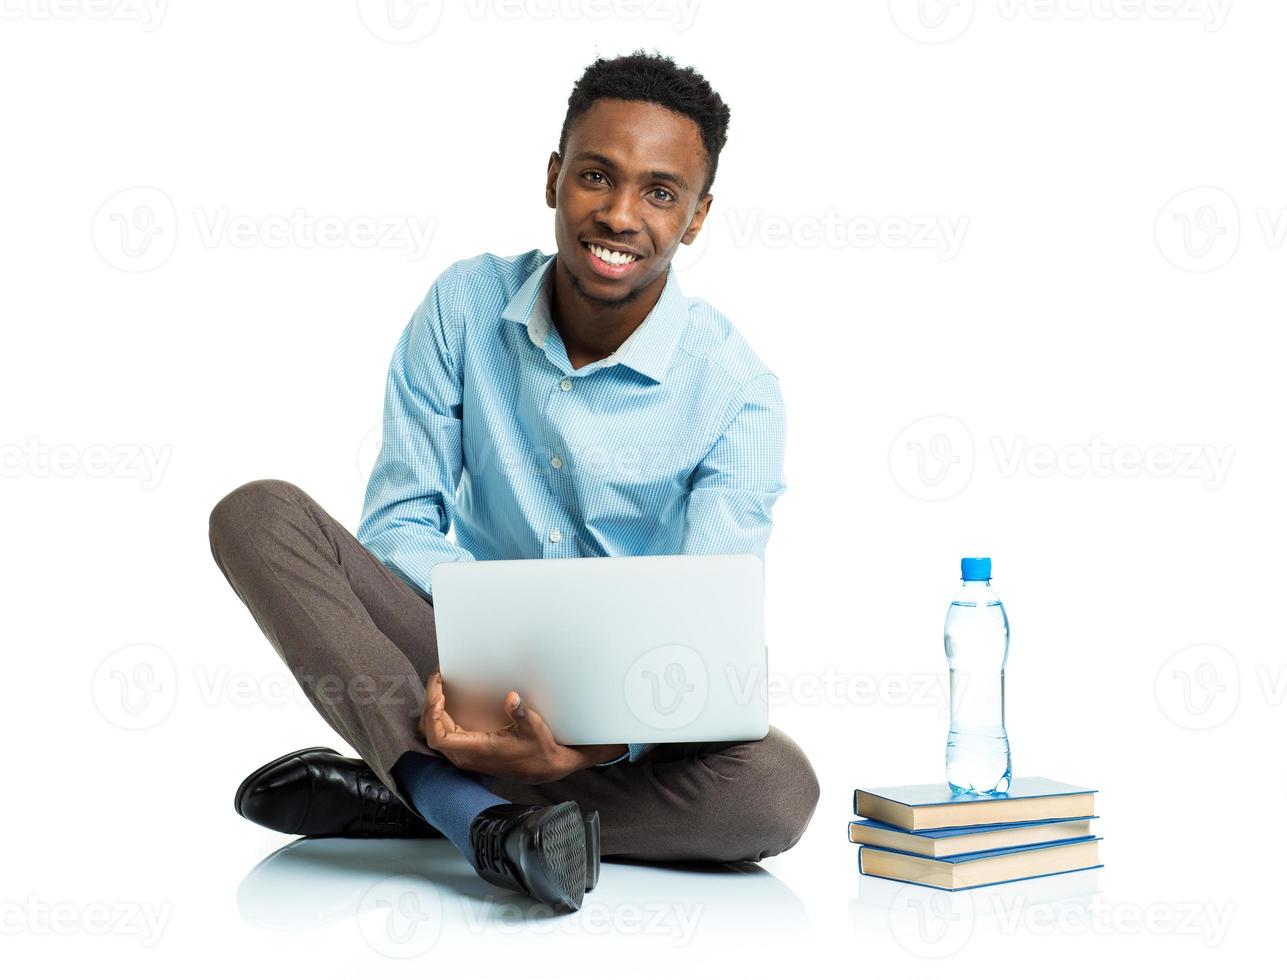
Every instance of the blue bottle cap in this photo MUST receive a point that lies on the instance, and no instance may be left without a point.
(976, 569)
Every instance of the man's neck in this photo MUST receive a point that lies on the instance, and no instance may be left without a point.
(591, 330)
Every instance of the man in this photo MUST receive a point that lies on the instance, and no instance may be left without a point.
(551, 407)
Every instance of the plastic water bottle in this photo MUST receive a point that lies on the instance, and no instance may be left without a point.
(977, 639)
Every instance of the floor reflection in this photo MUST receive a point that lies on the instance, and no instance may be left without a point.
(313, 883)
(933, 923)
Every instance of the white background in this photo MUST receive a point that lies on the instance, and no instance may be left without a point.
(965, 236)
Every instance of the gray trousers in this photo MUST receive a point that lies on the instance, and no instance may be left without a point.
(362, 645)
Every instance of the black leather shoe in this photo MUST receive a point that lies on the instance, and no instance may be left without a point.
(538, 850)
(320, 793)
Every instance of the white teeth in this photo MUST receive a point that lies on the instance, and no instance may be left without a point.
(612, 258)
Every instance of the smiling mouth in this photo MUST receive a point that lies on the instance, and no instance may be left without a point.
(608, 263)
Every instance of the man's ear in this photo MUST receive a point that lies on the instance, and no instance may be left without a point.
(699, 216)
(552, 177)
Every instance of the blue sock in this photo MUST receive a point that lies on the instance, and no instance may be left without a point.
(447, 797)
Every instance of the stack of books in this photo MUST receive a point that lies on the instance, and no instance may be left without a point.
(928, 836)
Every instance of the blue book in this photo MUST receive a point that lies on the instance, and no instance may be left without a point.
(984, 868)
(968, 840)
(933, 806)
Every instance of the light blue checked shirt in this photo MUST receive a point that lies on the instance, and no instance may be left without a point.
(673, 444)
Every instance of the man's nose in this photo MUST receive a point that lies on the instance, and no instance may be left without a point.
(620, 212)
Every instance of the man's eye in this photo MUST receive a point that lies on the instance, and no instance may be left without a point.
(592, 173)
(666, 192)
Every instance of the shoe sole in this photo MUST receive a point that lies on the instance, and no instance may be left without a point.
(591, 849)
(557, 878)
(240, 796)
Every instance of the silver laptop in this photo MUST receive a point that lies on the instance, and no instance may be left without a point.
(666, 648)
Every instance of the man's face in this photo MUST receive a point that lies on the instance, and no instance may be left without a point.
(629, 180)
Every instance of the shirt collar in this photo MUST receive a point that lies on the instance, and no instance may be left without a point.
(649, 350)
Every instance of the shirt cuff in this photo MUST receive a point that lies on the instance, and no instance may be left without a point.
(633, 751)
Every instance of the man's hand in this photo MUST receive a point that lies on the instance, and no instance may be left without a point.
(524, 750)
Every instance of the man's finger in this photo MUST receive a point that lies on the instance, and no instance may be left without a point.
(527, 721)
(437, 723)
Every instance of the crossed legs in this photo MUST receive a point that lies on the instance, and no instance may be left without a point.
(362, 645)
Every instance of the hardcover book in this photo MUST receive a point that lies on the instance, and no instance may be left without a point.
(932, 806)
(985, 868)
(967, 840)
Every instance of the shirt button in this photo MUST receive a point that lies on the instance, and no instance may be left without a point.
(555, 536)
(556, 462)
(565, 384)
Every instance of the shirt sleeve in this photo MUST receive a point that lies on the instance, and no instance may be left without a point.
(734, 487)
(411, 497)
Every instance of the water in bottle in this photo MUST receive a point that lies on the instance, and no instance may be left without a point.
(977, 639)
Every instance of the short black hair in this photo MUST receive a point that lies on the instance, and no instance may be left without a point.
(644, 77)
